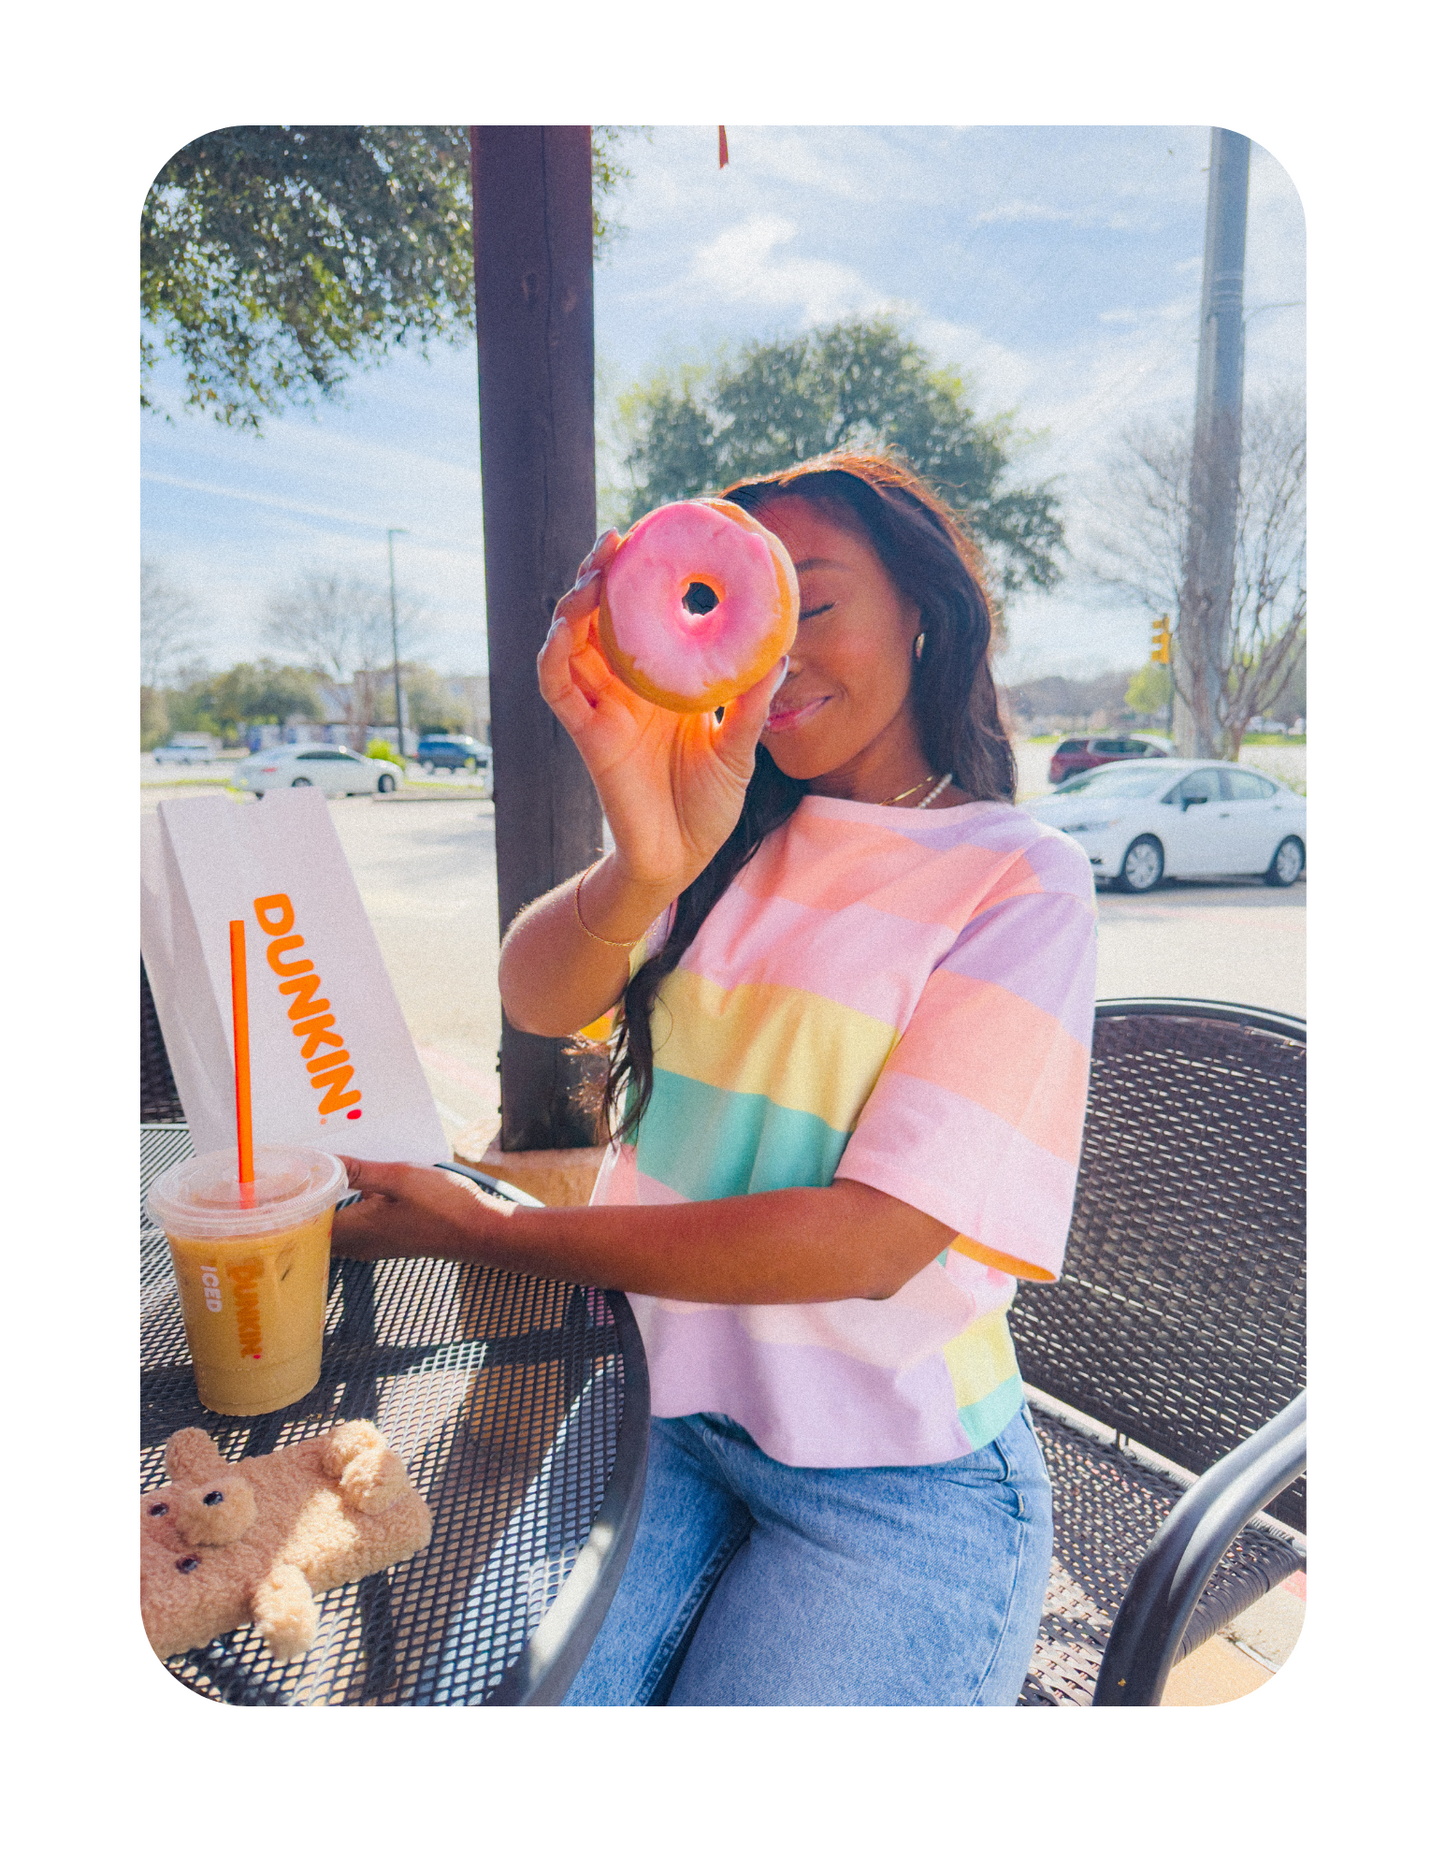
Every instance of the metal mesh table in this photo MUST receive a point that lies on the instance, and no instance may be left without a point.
(520, 1407)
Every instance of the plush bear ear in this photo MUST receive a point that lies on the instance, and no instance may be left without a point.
(215, 1511)
(191, 1455)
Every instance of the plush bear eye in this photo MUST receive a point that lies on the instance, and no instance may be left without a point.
(213, 1499)
(188, 1564)
(159, 1508)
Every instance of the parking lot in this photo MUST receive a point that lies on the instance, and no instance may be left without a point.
(1280, 763)
(426, 869)
(154, 773)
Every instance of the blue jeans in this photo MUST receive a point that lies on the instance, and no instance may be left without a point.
(823, 1587)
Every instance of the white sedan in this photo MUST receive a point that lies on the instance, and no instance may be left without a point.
(335, 770)
(1140, 822)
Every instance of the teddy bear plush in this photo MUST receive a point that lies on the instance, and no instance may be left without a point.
(255, 1541)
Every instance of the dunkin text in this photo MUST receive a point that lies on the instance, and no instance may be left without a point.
(329, 1070)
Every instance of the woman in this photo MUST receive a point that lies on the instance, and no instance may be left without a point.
(856, 997)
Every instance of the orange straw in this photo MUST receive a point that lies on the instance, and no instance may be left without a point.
(241, 1028)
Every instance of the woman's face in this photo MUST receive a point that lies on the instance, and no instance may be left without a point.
(843, 712)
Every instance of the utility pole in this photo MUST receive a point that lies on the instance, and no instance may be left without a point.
(1203, 639)
(391, 533)
(532, 233)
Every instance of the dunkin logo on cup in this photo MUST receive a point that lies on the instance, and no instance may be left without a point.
(245, 1278)
(310, 1016)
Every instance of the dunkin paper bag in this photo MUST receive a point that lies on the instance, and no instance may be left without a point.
(332, 1063)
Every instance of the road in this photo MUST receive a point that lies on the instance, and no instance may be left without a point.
(426, 870)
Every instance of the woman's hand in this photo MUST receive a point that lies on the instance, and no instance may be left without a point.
(671, 785)
(405, 1212)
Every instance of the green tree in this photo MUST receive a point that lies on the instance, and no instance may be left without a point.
(276, 258)
(429, 707)
(1149, 689)
(248, 692)
(155, 721)
(861, 384)
(189, 708)
(265, 691)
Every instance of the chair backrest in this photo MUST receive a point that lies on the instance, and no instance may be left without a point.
(159, 1100)
(1179, 1319)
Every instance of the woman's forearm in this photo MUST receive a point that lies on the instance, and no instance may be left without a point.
(554, 977)
(786, 1247)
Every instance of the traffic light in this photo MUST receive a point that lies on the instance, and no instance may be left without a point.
(1160, 638)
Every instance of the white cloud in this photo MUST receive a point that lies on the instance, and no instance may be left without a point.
(1001, 375)
(746, 263)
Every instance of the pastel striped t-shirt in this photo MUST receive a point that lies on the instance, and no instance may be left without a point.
(904, 998)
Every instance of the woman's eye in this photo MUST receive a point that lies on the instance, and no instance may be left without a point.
(817, 611)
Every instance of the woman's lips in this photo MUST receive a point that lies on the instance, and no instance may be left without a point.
(792, 714)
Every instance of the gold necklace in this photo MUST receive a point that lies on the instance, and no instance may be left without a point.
(928, 801)
(907, 790)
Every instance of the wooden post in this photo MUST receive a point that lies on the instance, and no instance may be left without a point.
(532, 238)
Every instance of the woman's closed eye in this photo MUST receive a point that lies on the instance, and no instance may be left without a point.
(817, 611)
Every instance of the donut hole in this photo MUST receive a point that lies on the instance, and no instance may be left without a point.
(699, 599)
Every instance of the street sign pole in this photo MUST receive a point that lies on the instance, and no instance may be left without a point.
(391, 533)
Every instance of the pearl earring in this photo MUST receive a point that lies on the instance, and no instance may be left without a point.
(918, 643)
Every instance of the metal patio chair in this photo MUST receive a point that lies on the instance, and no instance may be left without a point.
(1165, 1370)
(160, 1102)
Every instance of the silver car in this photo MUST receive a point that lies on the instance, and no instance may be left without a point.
(1139, 822)
(335, 770)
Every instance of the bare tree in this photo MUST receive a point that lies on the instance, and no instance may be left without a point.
(171, 625)
(341, 628)
(1137, 532)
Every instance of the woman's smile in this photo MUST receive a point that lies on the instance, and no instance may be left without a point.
(791, 712)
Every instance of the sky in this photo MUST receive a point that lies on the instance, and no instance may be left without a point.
(1058, 268)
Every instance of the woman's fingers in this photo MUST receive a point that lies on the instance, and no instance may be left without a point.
(374, 1178)
(407, 1210)
(581, 689)
(582, 600)
(744, 717)
(586, 593)
(570, 680)
(604, 550)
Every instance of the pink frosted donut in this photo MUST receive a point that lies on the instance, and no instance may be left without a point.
(679, 657)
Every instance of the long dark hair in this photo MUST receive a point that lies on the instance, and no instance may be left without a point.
(932, 562)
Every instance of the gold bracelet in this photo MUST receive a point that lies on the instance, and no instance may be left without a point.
(577, 907)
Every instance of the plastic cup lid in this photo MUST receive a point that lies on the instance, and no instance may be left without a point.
(201, 1196)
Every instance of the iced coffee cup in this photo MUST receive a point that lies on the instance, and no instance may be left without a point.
(252, 1278)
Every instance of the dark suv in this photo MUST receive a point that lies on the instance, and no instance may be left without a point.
(453, 751)
(1071, 757)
